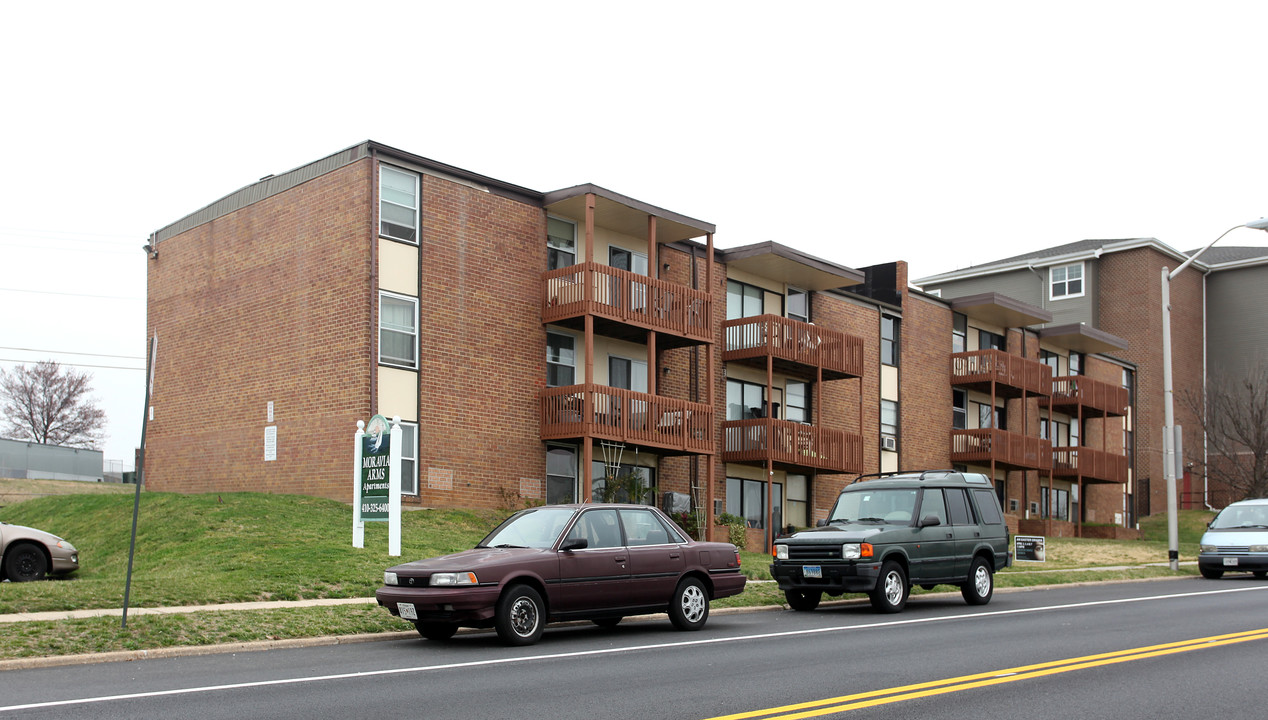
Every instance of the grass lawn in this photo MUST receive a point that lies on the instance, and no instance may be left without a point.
(237, 547)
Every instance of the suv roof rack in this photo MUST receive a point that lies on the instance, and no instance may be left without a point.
(921, 474)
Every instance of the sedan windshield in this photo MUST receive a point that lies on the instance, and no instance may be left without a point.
(877, 506)
(536, 528)
(1243, 516)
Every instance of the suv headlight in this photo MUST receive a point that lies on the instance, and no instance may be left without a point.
(389, 578)
(850, 551)
(781, 552)
(449, 579)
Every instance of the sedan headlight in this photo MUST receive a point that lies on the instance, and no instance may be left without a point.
(781, 552)
(389, 578)
(448, 579)
(1206, 548)
(1259, 548)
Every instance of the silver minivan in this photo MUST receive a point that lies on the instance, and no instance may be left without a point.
(1236, 541)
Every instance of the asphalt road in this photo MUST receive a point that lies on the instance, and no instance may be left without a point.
(1155, 650)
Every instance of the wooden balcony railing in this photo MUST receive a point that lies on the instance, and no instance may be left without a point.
(791, 443)
(1003, 447)
(591, 288)
(980, 367)
(607, 413)
(839, 355)
(1088, 463)
(1101, 398)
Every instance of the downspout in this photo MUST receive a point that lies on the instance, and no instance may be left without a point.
(374, 278)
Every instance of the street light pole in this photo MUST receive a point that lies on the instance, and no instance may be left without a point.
(1168, 402)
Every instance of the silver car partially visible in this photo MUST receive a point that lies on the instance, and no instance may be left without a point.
(29, 554)
(1236, 541)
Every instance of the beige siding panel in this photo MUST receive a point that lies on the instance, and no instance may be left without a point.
(398, 267)
(398, 393)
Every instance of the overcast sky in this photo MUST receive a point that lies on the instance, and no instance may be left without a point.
(944, 134)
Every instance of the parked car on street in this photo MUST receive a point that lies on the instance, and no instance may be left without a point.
(886, 534)
(1236, 541)
(597, 562)
(30, 554)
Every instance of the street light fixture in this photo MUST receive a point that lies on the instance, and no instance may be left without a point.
(1169, 435)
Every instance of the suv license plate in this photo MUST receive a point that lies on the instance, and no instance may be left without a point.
(811, 571)
(1230, 561)
(407, 611)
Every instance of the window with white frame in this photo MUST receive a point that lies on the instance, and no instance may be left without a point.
(1065, 281)
(398, 204)
(627, 373)
(561, 474)
(623, 259)
(561, 243)
(561, 362)
(798, 305)
(409, 458)
(889, 417)
(398, 330)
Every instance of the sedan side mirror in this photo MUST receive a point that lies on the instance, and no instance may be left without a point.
(930, 520)
(574, 544)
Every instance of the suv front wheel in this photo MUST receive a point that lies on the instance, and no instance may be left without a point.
(891, 591)
(981, 585)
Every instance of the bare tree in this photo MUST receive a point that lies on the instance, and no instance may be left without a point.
(1233, 412)
(50, 405)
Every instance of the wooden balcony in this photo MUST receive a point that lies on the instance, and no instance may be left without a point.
(793, 345)
(1009, 449)
(1099, 399)
(791, 445)
(626, 305)
(1012, 375)
(1096, 465)
(677, 427)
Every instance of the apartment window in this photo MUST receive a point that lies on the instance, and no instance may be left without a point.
(561, 243)
(797, 401)
(1074, 433)
(1076, 363)
(623, 259)
(398, 330)
(795, 505)
(747, 499)
(991, 417)
(959, 409)
(798, 305)
(889, 340)
(987, 340)
(1066, 281)
(627, 374)
(889, 418)
(409, 458)
(744, 400)
(561, 361)
(561, 474)
(398, 204)
(623, 481)
(959, 333)
(742, 300)
(1052, 360)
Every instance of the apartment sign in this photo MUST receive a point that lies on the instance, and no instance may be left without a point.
(376, 462)
(376, 479)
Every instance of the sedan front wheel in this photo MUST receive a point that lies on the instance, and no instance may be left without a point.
(520, 616)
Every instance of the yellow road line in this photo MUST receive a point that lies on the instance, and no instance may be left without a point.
(871, 698)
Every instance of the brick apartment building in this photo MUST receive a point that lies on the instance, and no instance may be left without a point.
(535, 344)
(1110, 290)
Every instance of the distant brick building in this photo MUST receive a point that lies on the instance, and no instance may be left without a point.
(526, 339)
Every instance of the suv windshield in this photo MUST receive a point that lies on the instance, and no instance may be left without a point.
(884, 505)
(1241, 516)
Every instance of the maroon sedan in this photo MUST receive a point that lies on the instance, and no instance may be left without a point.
(565, 562)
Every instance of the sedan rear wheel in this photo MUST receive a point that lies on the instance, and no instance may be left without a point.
(689, 607)
(25, 562)
(520, 616)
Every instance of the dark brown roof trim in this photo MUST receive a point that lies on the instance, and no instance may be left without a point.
(773, 248)
(1083, 338)
(1002, 302)
(556, 196)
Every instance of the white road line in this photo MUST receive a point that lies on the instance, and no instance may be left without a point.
(612, 651)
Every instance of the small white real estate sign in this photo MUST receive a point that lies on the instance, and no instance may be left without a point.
(376, 477)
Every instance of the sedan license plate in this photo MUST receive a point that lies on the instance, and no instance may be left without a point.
(811, 571)
(407, 611)
(1230, 561)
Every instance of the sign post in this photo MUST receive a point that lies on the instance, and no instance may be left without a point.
(377, 480)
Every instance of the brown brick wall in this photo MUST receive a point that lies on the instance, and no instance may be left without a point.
(269, 303)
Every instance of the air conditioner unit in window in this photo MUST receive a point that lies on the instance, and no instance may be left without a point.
(889, 442)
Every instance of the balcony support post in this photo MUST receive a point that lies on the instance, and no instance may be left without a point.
(770, 448)
(590, 202)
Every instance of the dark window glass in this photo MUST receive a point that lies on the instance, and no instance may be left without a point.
(959, 409)
(742, 300)
(987, 340)
(958, 507)
(959, 332)
(889, 340)
(561, 475)
(797, 399)
(561, 244)
(932, 504)
(1052, 360)
(798, 305)
(986, 506)
(560, 360)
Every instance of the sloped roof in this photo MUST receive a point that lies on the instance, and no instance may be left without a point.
(1219, 255)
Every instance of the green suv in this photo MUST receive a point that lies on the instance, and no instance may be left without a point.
(890, 531)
